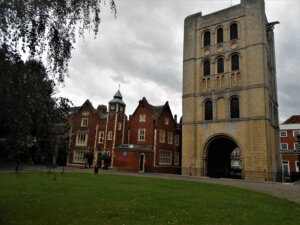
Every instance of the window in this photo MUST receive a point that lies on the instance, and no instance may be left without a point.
(220, 65)
(84, 122)
(295, 146)
(165, 157)
(109, 135)
(142, 117)
(177, 140)
(234, 108)
(206, 68)
(297, 165)
(283, 133)
(233, 31)
(166, 121)
(141, 134)
(286, 168)
(235, 62)
(81, 139)
(79, 156)
(284, 146)
(206, 38)
(112, 107)
(119, 125)
(101, 137)
(220, 35)
(121, 108)
(170, 138)
(162, 136)
(208, 110)
(177, 159)
(296, 132)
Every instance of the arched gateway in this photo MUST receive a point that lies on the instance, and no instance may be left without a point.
(223, 157)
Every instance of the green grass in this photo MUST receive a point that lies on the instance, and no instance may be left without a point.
(87, 199)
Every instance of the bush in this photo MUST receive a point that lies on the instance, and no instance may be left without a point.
(90, 157)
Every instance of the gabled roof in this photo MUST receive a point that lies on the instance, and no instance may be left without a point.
(156, 111)
(292, 120)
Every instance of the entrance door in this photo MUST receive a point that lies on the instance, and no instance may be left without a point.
(142, 167)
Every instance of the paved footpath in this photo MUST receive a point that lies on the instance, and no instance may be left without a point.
(281, 190)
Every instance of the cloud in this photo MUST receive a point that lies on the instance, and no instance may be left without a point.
(142, 50)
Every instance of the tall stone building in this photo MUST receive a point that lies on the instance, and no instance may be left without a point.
(230, 116)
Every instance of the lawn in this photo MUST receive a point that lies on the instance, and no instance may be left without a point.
(87, 199)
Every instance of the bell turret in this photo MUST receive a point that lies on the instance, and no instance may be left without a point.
(117, 104)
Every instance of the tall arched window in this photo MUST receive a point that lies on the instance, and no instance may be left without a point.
(220, 35)
(234, 108)
(233, 31)
(235, 65)
(220, 65)
(206, 67)
(208, 110)
(206, 38)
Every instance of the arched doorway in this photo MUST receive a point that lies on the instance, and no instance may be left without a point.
(223, 158)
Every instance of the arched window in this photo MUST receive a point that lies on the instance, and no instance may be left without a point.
(235, 65)
(233, 31)
(208, 110)
(234, 108)
(220, 35)
(206, 38)
(206, 67)
(220, 65)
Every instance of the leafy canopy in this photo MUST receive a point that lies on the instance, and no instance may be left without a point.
(50, 26)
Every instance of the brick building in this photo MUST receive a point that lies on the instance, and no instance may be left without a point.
(290, 156)
(229, 102)
(150, 141)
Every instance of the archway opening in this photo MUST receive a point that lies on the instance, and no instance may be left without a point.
(223, 158)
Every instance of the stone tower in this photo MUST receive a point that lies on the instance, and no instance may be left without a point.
(230, 107)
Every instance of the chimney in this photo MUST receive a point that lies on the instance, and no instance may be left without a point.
(175, 118)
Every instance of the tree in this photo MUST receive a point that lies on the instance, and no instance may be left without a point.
(39, 26)
(28, 110)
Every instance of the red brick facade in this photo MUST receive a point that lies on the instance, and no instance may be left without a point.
(288, 144)
(109, 131)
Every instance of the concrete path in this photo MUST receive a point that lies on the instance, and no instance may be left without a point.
(281, 190)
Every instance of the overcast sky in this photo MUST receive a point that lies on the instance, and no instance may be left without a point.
(142, 51)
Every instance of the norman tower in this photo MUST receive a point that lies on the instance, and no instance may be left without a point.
(230, 116)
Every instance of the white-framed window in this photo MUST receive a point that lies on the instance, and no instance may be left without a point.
(166, 121)
(142, 134)
(284, 146)
(283, 133)
(177, 159)
(142, 117)
(170, 138)
(177, 140)
(162, 136)
(119, 125)
(109, 135)
(107, 153)
(79, 156)
(84, 122)
(295, 146)
(81, 139)
(285, 167)
(121, 108)
(101, 137)
(296, 132)
(165, 157)
(297, 165)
